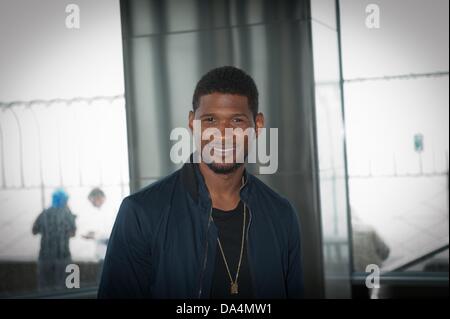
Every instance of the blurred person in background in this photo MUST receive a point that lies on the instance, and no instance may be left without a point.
(368, 248)
(98, 225)
(56, 226)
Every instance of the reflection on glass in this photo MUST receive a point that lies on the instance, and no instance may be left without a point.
(398, 167)
(64, 174)
(369, 248)
(397, 125)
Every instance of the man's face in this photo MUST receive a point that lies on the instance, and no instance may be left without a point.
(97, 201)
(221, 111)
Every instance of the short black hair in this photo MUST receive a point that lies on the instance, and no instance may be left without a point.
(229, 80)
(96, 192)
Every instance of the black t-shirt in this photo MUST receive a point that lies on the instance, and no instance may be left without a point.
(229, 225)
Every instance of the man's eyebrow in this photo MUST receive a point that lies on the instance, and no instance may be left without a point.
(207, 115)
(231, 115)
(240, 114)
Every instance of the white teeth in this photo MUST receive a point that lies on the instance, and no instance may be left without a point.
(221, 150)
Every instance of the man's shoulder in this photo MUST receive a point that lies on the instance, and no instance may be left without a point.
(277, 207)
(144, 209)
(155, 195)
(266, 193)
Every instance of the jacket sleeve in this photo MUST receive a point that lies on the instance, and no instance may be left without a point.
(294, 279)
(37, 226)
(127, 265)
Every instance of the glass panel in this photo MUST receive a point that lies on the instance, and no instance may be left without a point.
(413, 37)
(398, 168)
(63, 144)
(396, 106)
(45, 164)
(330, 140)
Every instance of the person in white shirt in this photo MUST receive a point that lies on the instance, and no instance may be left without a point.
(98, 226)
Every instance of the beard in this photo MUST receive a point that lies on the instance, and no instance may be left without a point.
(219, 164)
(224, 168)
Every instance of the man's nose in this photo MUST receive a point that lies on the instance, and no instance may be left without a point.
(224, 135)
(223, 126)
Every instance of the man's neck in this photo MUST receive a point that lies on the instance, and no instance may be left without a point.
(224, 189)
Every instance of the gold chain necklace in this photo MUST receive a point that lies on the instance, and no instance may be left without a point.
(234, 283)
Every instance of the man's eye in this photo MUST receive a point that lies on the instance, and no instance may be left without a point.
(237, 120)
(209, 119)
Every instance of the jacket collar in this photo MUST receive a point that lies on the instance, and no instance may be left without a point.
(194, 182)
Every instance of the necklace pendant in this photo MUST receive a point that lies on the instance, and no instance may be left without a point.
(234, 288)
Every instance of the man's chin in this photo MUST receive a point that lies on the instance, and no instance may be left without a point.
(224, 168)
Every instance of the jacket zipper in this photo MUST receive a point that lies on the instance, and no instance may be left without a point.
(248, 254)
(206, 254)
(246, 235)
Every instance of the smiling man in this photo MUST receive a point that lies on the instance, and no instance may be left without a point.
(210, 229)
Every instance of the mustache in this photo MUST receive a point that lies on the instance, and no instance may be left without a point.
(226, 144)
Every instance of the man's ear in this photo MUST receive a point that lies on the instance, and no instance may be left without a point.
(259, 122)
(191, 120)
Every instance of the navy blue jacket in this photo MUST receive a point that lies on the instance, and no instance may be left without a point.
(163, 244)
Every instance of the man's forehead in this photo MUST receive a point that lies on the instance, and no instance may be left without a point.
(218, 97)
(221, 102)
